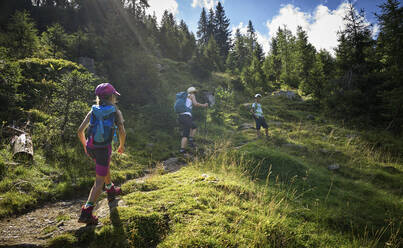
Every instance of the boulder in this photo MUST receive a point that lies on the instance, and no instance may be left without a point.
(288, 94)
(160, 68)
(87, 63)
(172, 164)
(333, 167)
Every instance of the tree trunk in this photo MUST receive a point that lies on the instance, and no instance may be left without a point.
(22, 147)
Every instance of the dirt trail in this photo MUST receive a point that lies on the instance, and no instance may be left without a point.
(35, 228)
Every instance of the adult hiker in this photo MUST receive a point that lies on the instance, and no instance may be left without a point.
(102, 119)
(258, 116)
(183, 106)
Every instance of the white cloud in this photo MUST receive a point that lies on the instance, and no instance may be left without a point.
(321, 25)
(262, 39)
(290, 16)
(159, 6)
(375, 30)
(208, 4)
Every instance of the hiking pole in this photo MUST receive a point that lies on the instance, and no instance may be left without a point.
(205, 124)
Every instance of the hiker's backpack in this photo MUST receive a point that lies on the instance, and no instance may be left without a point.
(180, 103)
(102, 124)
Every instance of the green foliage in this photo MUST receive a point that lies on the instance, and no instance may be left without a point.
(202, 32)
(388, 46)
(223, 101)
(55, 40)
(10, 80)
(73, 93)
(64, 240)
(22, 36)
(212, 53)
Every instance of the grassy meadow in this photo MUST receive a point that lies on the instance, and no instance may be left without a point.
(279, 192)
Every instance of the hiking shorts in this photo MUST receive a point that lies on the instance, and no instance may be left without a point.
(101, 157)
(186, 124)
(261, 122)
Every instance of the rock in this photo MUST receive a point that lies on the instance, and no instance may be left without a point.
(87, 63)
(334, 167)
(104, 208)
(172, 164)
(160, 68)
(150, 145)
(288, 94)
(245, 126)
(46, 236)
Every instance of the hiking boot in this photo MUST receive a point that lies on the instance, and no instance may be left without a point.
(113, 192)
(87, 217)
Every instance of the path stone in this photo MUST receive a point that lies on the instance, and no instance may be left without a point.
(333, 167)
(172, 164)
(104, 208)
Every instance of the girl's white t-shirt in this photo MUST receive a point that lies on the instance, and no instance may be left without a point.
(189, 105)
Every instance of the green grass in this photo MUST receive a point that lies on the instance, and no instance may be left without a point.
(25, 185)
(219, 202)
(265, 193)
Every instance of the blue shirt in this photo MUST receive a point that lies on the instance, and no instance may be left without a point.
(257, 109)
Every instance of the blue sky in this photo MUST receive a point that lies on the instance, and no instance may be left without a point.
(320, 18)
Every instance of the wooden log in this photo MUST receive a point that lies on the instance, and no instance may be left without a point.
(23, 148)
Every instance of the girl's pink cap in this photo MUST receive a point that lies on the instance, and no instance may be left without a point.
(105, 89)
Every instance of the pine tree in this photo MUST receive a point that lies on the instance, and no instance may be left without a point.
(211, 29)
(305, 57)
(390, 43)
(169, 40)
(222, 33)
(212, 52)
(187, 42)
(22, 36)
(286, 51)
(354, 92)
(56, 40)
(250, 41)
(272, 64)
(202, 29)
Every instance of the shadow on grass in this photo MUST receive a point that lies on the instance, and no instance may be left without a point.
(332, 200)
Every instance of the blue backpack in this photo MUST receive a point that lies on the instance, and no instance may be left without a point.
(102, 124)
(180, 103)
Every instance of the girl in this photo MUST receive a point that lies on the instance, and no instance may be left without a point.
(102, 119)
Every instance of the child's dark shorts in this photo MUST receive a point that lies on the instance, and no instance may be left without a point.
(261, 122)
(186, 124)
(101, 157)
